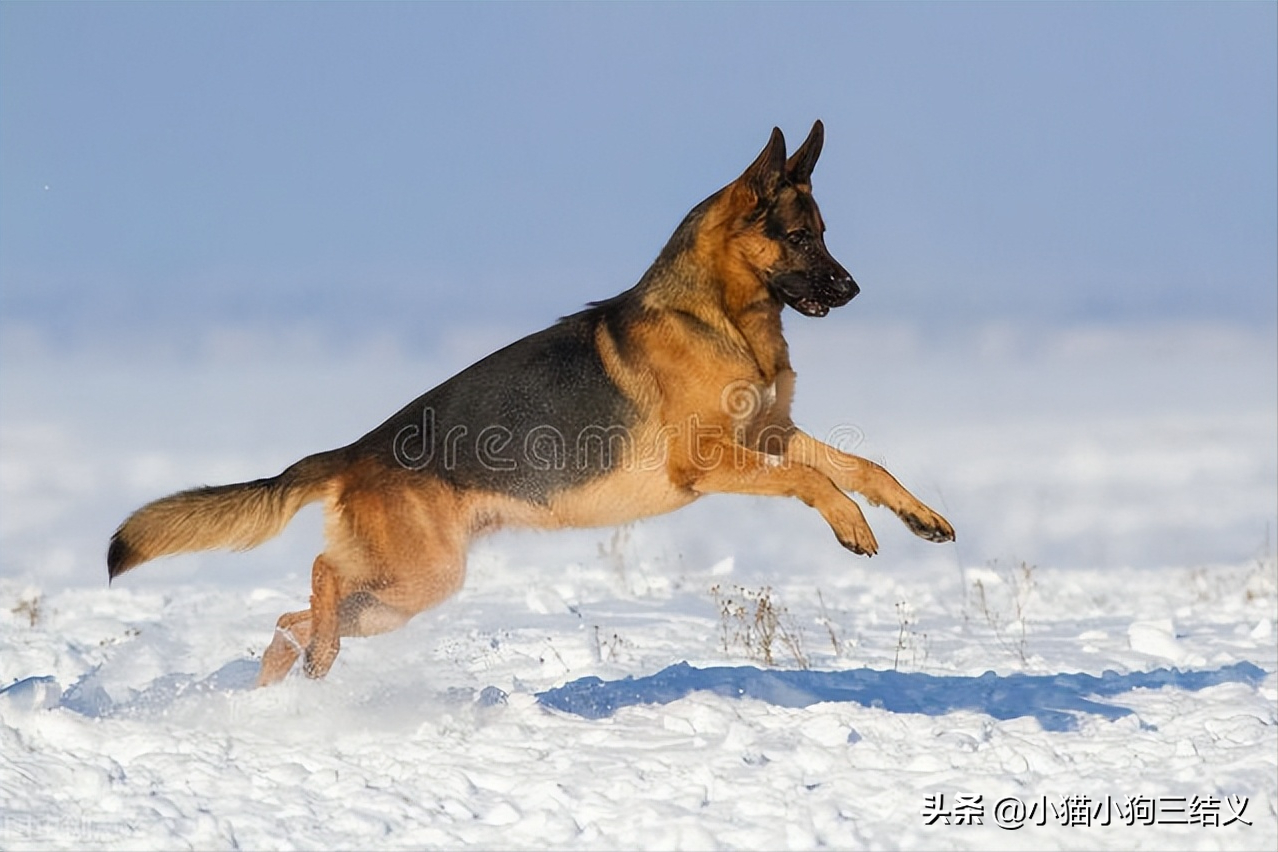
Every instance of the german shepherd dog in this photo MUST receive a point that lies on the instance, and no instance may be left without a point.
(638, 405)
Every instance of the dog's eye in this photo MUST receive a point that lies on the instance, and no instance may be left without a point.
(799, 236)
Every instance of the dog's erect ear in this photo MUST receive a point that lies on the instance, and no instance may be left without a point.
(798, 169)
(764, 175)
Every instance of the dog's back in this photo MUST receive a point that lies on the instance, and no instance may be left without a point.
(526, 421)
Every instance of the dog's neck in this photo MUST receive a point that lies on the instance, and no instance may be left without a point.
(729, 299)
(759, 324)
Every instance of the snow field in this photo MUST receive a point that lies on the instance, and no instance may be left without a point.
(1114, 497)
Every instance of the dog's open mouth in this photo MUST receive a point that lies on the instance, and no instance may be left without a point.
(814, 299)
(810, 307)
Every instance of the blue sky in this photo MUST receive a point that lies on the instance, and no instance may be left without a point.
(406, 167)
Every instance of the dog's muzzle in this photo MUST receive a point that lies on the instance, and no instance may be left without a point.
(815, 298)
(837, 292)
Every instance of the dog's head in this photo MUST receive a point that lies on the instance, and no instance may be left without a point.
(777, 230)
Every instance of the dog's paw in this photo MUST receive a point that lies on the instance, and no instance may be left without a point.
(860, 546)
(853, 532)
(927, 524)
(319, 657)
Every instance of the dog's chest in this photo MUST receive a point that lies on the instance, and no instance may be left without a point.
(755, 405)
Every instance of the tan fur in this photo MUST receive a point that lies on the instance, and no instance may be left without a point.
(238, 517)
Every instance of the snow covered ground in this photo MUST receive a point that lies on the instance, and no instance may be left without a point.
(1114, 495)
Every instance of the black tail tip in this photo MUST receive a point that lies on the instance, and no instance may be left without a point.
(120, 557)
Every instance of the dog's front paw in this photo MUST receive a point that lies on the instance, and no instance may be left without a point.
(927, 524)
(853, 532)
(861, 546)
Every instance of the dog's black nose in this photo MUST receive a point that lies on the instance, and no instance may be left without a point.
(843, 289)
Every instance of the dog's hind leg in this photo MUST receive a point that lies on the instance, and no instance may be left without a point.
(336, 612)
(292, 634)
(311, 631)
(418, 587)
(316, 632)
(391, 554)
(325, 642)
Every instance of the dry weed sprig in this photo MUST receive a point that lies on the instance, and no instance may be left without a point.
(752, 620)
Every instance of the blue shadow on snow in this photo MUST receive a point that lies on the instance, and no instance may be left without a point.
(1051, 699)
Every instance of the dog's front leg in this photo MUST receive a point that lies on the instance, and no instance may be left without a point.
(853, 473)
(729, 468)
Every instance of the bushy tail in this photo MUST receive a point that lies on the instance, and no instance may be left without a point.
(237, 516)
